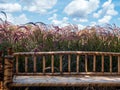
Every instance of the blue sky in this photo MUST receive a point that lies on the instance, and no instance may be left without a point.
(62, 12)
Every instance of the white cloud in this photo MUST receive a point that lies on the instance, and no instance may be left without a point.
(80, 26)
(6, 1)
(53, 11)
(39, 6)
(21, 19)
(106, 9)
(98, 14)
(65, 19)
(93, 23)
(111, 10)
(80, 20)
(83, 20)
(55, 21)
(10, 7)
(81, 8)
(10, 18)
(53, 17)
(107, 3)
(106, 12)
(119, 18)
(105, 19)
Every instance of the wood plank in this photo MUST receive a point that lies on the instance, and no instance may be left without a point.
(69, 63)
(114, 74)
(26, 64)
(1, 69)
(77, 64)
(110, 63)
(68, 52)
(52, 63)
(94, 63)
(66, 81)
(1, 85)
(118, 64)
(61, 64)
(17, 67)
(34, 62)
(102, 69)
(86, 62)
(44, 61)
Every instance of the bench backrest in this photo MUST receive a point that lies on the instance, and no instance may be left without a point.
(67, 62)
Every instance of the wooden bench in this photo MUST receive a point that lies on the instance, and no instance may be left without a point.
(62, 68)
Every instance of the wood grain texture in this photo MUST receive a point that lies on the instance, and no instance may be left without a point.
(26, 64)
(69, 63)
(34, 64)
(102, 69)
(44, 64)
(86, 62)
(77, 64)
(66, 81)
(17, 67)
(52, 63)
(61, 64)
(94, 63)
(67, 52)
(110, 63)
(118, 64)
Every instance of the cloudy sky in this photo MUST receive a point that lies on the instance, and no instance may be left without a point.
(62, 12)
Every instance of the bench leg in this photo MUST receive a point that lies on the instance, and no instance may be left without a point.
(8, 71)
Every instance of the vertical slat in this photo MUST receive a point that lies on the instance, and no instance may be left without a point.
(86, 66)
(69, 63)
(26, 64)
(110, 63)
(94, 63)
(60, 63)
(34, 62)
(102, 63)
(52, 63)
(77, 69)
(118, 64)
(43, 64)
(17, 64)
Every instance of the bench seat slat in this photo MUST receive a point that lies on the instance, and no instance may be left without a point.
(65, 81)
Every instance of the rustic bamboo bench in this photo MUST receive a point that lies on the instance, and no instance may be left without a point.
(62, 68)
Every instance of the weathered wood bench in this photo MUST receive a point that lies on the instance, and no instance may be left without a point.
(62, 68)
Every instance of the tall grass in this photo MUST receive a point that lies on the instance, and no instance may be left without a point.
(42, 37)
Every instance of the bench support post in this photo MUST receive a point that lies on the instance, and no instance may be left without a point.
(1, 73)
(8, 71)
